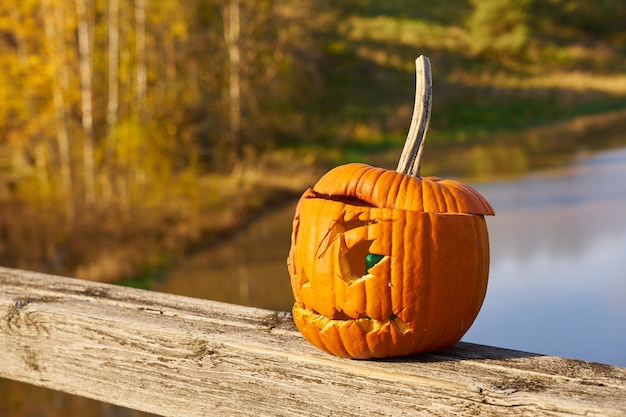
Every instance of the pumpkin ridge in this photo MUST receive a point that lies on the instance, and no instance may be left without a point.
(362, 184)
(356, 178)
(452, 204)
(367, 184)
(468, 191)
(452, 289)
(393, 189)
(481, 288)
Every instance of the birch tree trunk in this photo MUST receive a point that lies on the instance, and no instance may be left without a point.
(113, 69)
(86, 76)
(56, 51)
(41, 167)
(113, 99)
(232, 31)
(141, 70)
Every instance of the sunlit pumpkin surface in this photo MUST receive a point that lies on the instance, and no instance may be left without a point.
(385, 264)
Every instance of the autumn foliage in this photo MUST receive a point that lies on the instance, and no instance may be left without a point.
(113, 111)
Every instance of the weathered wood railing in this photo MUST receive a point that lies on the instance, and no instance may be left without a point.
(175, 356)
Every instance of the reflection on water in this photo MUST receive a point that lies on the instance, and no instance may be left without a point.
(558, 268)
(23, 400)
(557, 281)
(248, 269)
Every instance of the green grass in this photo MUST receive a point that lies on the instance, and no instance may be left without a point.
(147, 276)
(368, 96)
(486, 119)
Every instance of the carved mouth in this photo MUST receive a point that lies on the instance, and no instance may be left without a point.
(340, 319)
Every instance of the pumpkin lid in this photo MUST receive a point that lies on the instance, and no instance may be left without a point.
(384, 188)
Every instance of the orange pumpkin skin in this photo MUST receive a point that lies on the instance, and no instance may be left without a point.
(430, 239)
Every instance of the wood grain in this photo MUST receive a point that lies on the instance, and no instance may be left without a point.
(174, 356)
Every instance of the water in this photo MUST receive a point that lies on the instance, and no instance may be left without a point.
(248, 269)
(558, 262)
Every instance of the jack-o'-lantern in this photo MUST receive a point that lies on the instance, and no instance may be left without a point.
(385, 263)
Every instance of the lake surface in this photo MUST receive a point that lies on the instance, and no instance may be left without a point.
(558, 261)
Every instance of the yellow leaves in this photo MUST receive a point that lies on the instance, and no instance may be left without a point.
(133, 136)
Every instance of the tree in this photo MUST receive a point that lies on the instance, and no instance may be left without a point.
(232, 33)
(52, 16)
(269, 50)
(86, 75)
(113, 52)
(141, 67)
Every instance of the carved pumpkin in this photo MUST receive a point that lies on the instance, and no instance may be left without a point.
(385, 264)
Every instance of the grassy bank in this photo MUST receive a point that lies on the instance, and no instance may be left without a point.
(560, 73)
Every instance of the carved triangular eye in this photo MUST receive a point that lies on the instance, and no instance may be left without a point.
(372, 259)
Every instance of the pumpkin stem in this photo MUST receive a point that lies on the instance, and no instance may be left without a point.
(411, 156)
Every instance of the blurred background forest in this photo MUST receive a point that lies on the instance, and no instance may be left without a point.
(132, 131)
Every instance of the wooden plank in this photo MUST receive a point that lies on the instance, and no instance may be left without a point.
(174, 355)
